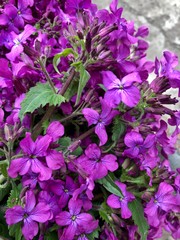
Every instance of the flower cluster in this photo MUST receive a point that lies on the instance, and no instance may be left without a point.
(84, 146)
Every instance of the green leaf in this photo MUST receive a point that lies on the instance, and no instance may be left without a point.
(4, 191)
(77, 152)
(118, 129)
(84, 77)
(138, 217)
(65, 53)
(40, 95)
(13, 198)
(94, 235)
(102, 86)
(140, 180)
(3, 168)
(15, 231)
(64, 143)
(72, 90)
(109, 184)
(51, 236)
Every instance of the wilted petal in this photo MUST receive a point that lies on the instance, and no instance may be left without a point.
(91, 116)
(101, 132)
(55, 130)
(30, 229)
(114, 201)
(54, 159)
(14, 215)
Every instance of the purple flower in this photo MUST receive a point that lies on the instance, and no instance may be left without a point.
(136, 144)
(121, 90)
(55, 130)
(76, 222)
(18, 40)
(96, 165)
(117, 202)
(163, 201)
(29, 214)
(64, 191)
(101, 120)
(32, 150)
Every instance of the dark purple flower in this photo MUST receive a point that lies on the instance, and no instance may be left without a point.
(76, 222)
(32, 151)
(64, 191)
(95, 164)
(101, 120)
(30, 214)
(117, 202)
(121, 90)
(163, 201)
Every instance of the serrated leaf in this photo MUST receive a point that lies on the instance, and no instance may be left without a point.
(3, 169)
(71, 91)
(118, 129)
(109, 184)
(84, 77)
(138, 217)
(15, 231)
(94, 235)
(65, 53)
(38, 96)
(13, 198)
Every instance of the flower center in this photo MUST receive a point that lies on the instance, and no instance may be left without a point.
(73, 218)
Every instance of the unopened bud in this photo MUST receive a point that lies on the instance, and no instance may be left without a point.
(74, 146)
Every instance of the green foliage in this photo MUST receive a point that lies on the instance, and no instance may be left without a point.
(141, 180)
(110, 186)
(65, 142)
(118, 129)
(3, 168)
(14, 195)
(51, 236)
(94, 235)
(72, 90)
(3, 225)
(65, 53)
(40, 95)
(4, 191)
(84, 77)
(15, 231)
(138, 217)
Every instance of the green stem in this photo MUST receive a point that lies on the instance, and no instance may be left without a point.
(38, 127)
(48, 78)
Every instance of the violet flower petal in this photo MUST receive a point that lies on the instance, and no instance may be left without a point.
(14, 215)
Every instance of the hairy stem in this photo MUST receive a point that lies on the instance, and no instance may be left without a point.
(37, 129)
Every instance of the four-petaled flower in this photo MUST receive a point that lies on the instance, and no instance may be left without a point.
(121, 90)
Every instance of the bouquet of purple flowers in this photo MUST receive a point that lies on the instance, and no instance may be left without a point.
(84, 146)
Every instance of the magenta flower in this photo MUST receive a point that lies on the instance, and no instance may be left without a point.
(30, 214)
(94, 164)
(136, 144)
(101, 120)
(18, 40)
(116, 202)
(121, 90)
(76, 222)
(32, 151)
(55, 130)
(163, 201)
